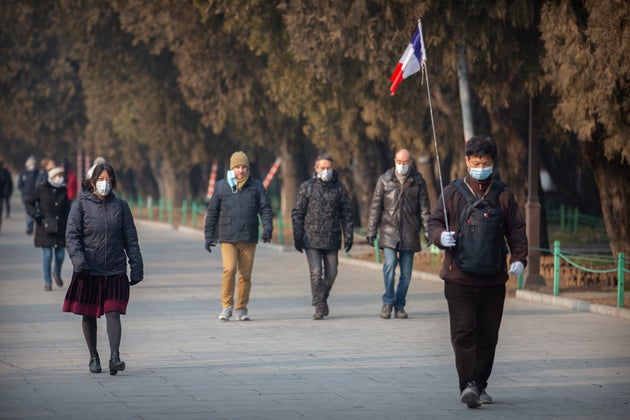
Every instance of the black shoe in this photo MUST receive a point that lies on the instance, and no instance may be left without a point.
(116, 365)
(47, 287)
(325, 308)
(95, 365)
(319, 313)
(58, 280)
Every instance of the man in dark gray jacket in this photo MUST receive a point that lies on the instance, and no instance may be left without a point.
(322, 210)
(232, 220)
(400, 207)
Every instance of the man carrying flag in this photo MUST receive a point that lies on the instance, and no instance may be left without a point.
(411, 62)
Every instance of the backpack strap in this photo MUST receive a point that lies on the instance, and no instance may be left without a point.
(496, 188)
(464, 190)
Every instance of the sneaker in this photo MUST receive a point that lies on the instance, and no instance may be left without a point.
(48, 287)
(484, 398)
(400, 313)
(242, 315)
(225, 314)
(386, 311)
(58, 280)
(470, 395)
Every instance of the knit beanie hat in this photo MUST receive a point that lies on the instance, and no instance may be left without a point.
(238, 159)
(53, 172)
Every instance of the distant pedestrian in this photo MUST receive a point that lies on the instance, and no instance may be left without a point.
(322, 211)
(101, 238)
(26, 185)
(475, 268)
(48, 204)
(45, 165)
(232, 221)
(400, 209)
(6, 189)
(72, 185)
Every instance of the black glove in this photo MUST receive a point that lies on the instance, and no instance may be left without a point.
(348, 246)
(266, 236)
(38, 218)
(370, 240)
(299, 245)
(134, 282)
(84, 274)
(209, 244)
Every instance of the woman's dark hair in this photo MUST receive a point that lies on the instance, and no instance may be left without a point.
(98, 170)
(481, 146)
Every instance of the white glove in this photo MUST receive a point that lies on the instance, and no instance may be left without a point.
(447, 239)
(516, 268)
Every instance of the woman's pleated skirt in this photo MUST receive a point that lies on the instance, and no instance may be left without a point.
(97, 295)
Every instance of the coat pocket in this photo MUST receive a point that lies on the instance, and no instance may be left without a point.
(50, 224)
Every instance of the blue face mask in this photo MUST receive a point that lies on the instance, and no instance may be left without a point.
(481, 174)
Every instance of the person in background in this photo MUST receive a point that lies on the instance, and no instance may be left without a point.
(98, 161)
(232, 221)
(48, 204)
(322, 210)
(101, 236)
(26, 185)
(400, 208)
(45, 165)
(6, 189)
(71, 180)
(475, 302)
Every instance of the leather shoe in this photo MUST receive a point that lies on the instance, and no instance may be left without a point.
(116, 365)
(95, 365)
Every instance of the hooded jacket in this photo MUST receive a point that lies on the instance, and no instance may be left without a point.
(399, 211)
(514, 231)
(321, 211)
(101, 236)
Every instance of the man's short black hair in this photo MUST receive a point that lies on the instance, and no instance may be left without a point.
(481, 146)
(324, 156)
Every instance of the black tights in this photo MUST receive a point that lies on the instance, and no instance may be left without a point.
(114, 331)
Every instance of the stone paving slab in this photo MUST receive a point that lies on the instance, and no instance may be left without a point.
(552, 362)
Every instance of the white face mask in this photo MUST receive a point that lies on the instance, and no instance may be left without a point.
(325, 175)
(56, 181)
(402, 169)
(103, 187)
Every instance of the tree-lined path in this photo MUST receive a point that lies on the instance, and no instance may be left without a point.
(184, 363)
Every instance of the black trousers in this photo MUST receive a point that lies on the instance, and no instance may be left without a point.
(475, 314)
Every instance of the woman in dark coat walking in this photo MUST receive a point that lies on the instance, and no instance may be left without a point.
(48, 204)
(101, 237)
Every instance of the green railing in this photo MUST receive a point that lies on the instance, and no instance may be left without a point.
(619, 268)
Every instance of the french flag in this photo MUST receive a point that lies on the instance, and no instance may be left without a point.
(411, 61)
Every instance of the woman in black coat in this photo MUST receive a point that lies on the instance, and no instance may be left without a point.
(101, 237)
(48, 204)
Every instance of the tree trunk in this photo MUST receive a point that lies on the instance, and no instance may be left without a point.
(291, 175)
(612, 178)
(173, 185)
(366, 167)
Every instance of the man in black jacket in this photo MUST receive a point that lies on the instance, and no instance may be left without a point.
(400, 207)
(232, 220)
(26, 185)
(321, 211)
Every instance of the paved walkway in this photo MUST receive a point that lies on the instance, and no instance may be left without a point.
(183, 363)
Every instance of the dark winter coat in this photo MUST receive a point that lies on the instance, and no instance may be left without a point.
(321, 211)
(101, 236)
(27, 182)
(6, 183)
(455, 203)
(48, 205)
(399, 211)
(233, 216)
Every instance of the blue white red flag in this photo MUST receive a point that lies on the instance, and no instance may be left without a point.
(411, 61)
